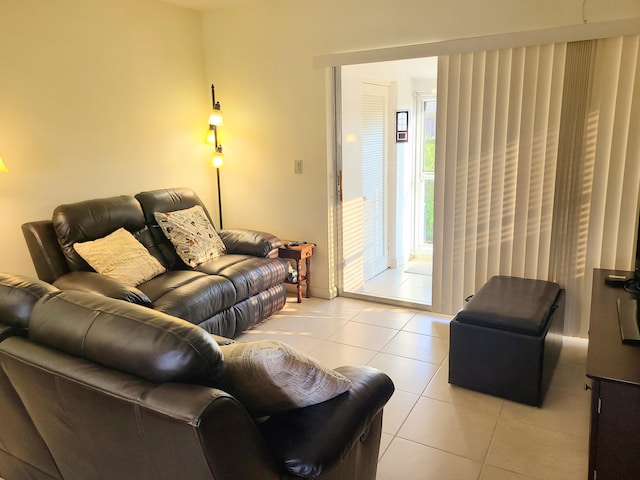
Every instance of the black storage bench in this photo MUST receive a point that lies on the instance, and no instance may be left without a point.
(505, 341)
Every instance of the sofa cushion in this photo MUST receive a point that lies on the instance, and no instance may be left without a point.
(249, 275)
(192, 235)
(93, 219)
(119, 255)
(270, 377)
(93, 282)
(191, 295)
(126, 337)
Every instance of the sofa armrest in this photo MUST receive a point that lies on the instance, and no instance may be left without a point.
(184, 431)
(232, 445)
(250, 242)
(222, 341)
(102, 285)
(337, 424)
(46, 254)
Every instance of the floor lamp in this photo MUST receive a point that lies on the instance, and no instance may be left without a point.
(215, 121)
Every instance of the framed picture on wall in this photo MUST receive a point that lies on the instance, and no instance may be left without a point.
(402, 126)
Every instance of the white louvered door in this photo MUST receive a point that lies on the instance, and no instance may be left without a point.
(375, 105)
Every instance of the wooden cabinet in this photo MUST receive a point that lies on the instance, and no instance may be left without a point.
(614, 368)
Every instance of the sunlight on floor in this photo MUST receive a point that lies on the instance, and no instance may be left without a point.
(412, 283)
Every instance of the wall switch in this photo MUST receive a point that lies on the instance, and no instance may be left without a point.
(297, 166)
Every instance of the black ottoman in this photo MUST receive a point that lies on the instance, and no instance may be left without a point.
(505, 341)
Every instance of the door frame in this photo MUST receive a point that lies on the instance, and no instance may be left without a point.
(337, 183)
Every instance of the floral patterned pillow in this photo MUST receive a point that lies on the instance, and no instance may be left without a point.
(192, 235)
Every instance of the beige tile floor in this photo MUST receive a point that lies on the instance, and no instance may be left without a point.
(411, 284)
(433, 430)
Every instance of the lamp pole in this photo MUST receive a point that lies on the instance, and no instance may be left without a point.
(219, 198)
(215, 120)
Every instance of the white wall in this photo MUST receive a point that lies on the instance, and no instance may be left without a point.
(107, 97)
(261, 59)
(97, 98)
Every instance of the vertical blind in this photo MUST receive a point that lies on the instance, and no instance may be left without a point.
(496, 151)
(612, 137)
(513, 196)
(567, 263)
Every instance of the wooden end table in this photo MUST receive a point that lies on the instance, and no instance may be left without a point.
(303, 251)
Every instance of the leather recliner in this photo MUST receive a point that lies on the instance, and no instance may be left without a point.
(225, 295)
(23, 453)
(101, 388)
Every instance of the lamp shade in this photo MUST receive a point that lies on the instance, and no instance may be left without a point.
(211, 136)
(215, 118)
(3, 167)
(218, 158)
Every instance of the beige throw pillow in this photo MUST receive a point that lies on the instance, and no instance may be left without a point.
(120, 256)
(192, 235)
(269, 376)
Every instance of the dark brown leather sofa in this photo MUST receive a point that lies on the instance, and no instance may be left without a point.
(225, 296)
(101, 388)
